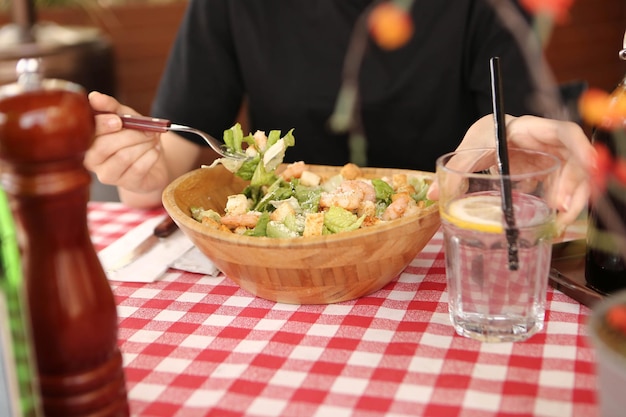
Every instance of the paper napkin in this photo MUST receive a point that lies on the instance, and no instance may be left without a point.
(175, 251)
(195, 261)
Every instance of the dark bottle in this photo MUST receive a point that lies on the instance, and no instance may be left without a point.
(19, 395)
(605, 265)
(46, 126)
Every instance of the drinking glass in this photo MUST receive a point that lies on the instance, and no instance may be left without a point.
(497, 273)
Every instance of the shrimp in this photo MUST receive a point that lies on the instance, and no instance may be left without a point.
(414, 208)
(401, 205)
(213, 224)
(349, 195)
(260, 139)
(349, 200)
(293, 170)
(248, 220)
(369, 192)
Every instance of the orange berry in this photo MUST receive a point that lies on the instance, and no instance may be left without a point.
(559, 9)
(616, 317)
(593, 105)
(390, 26)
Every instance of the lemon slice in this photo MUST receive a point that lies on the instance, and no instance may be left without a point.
(482, 213)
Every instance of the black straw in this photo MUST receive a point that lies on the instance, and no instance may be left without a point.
(497, 100)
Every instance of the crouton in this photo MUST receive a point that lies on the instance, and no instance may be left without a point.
(237, 204)
(282, 211)
(313, 224)
(367, 208)
(310, 179)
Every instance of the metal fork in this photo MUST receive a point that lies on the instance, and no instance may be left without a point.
(153, 124)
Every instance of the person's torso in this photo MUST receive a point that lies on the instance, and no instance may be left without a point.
(296, 80)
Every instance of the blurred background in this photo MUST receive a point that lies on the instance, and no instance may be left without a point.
(120, 46)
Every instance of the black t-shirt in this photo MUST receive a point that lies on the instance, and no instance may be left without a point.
(287, 56)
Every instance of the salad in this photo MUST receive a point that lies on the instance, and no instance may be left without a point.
(296, 201)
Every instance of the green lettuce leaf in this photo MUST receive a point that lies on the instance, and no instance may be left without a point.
(384, 191)
(421, 189)
(308, 197)
(294, 223)
(279, 190)
(261, 226)
(261, 176)
(274, 155)
(198, 213)
(233, 138)
(338, 219)
(332, 183)
(258, 168)
(279, 230)
(247, 168)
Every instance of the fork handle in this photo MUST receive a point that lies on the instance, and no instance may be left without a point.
(150, 124)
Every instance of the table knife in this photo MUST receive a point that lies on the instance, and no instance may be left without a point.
(162, 230)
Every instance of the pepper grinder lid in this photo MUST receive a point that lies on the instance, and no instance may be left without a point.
(30, 79)
(43, 120)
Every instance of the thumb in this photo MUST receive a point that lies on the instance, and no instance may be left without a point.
(433, 191)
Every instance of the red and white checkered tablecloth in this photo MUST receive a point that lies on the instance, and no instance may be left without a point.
(195, 345)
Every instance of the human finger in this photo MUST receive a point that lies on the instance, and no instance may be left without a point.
(473, 162)
(137, 175)
(104, 103)
(111, 155)
(567, 141)
(106, 109)
(482, 134)
(563, 139)
(573, 192)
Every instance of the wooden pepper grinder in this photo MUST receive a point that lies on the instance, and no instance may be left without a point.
(46, 126)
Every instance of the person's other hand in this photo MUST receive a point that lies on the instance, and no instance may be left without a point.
(564, 139)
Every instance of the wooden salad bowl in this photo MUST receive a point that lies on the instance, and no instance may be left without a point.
(305, 270)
